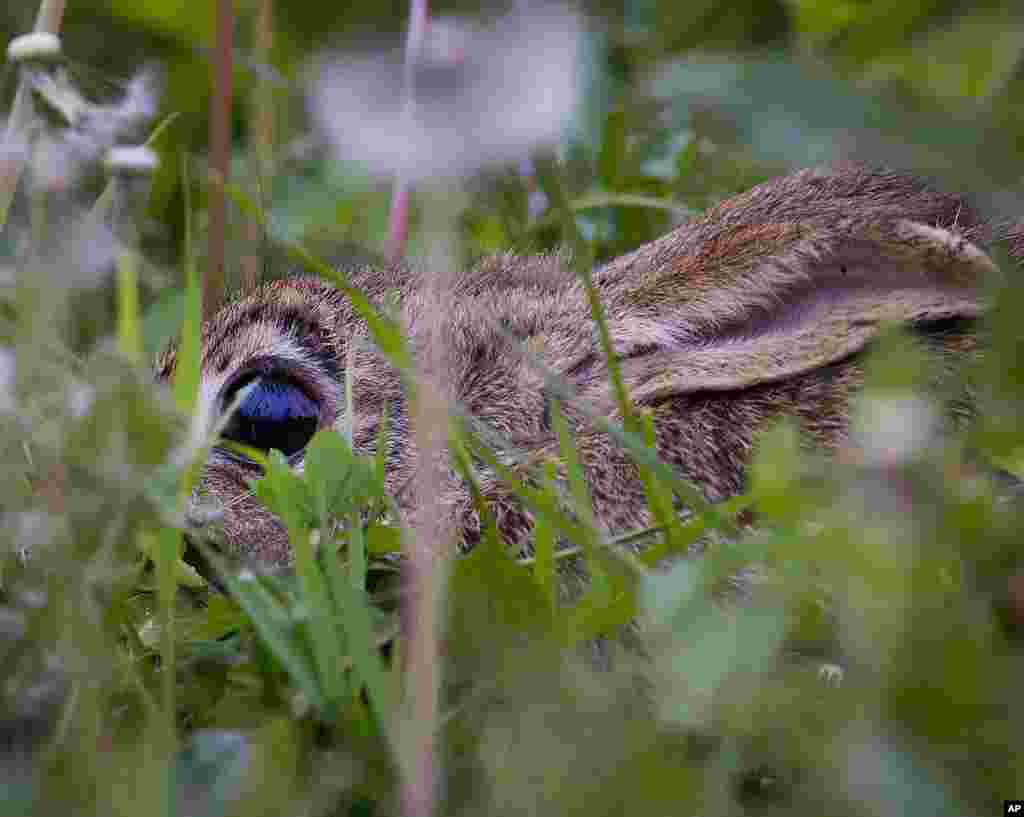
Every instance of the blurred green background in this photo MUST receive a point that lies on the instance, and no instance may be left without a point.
(683, 101)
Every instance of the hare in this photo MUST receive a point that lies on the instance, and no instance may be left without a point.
(762, 307)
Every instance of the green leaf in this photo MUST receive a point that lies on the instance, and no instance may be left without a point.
(274, 625)
(577, 483)
(180, 18)
(498, 594)
(489, 234)
(606, 607)
(286, 493)
(817, 21)
(612, 161)
(544, 545)
(320, 622)
(337, 479)
(129, 329)
(540, 502)
(187, 366)
(162, 320)
(383, 539)
(220, 618)
(353, 613)
(659, 501)
(166, 552)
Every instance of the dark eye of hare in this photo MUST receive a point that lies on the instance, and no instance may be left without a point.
(276, 413)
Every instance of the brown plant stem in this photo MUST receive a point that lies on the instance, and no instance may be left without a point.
(398, 218)
(220, 157)
(261, 160)
(425, 557)
(398, 221)
(424, 566)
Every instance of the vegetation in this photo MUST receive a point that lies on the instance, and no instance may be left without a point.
(858, 646)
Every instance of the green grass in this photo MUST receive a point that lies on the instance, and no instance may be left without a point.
(280, 692)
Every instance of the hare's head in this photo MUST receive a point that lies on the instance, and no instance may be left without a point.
(761, 307)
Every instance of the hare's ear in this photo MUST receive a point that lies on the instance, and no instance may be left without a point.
(771, 301)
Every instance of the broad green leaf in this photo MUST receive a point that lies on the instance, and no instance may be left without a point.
(286, 493)
(383, 539)
(353, 614)
(186, 20)
(501, 595)
(337, 478)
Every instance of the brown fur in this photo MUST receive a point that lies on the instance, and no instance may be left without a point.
(757, 309)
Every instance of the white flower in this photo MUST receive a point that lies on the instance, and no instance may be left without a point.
(831, 674)
(894, 428)
(7, 380)
(41, 46)
(12, 149)
(61, 155)
(137, 159)
(79, 398)
(481, 95)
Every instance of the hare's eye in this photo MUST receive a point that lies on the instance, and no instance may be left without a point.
(276, 413)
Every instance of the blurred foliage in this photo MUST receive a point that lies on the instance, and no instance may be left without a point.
(858, 647)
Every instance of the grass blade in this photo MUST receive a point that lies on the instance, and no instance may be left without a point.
(272, 624)
(129, 326)
(186, 373)
(544, 545)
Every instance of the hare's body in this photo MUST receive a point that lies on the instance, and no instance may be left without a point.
(757, 309)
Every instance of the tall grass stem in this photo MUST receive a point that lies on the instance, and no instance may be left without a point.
(220, 157)
(398, 217)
